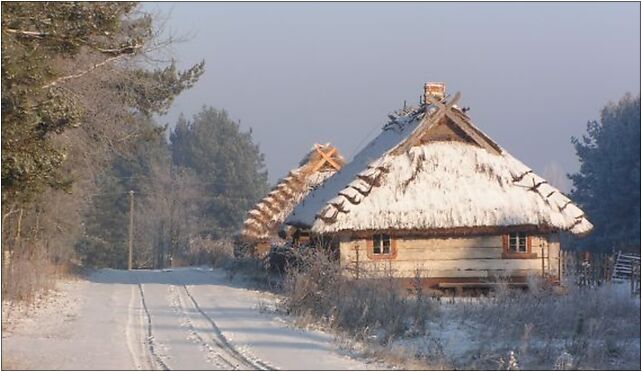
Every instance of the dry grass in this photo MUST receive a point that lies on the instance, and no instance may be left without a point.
(27, 280)
(221, 253)
(541, 328)
(366, 309)
(253, 272)
(27, 275)
(209, 251)
(586, 328)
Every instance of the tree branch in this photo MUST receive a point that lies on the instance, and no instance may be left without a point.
(128, 49)
(12, 211)
(36, 34)
(84, 72)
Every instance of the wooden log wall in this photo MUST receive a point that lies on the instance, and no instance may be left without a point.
(470, 257)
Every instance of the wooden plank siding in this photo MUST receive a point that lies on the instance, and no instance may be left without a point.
(469, 257)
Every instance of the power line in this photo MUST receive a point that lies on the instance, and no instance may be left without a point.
(215, 183)
(165, 194)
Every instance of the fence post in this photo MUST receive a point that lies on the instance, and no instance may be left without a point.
(635, 279)
(356, 251)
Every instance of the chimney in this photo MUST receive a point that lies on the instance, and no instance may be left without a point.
(434, 89)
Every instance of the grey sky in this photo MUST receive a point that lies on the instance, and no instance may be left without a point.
(300, 73)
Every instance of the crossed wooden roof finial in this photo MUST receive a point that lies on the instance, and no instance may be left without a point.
(429, 121)
(326, 157)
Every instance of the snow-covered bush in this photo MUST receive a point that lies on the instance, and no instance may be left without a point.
(585, 328)
(366, 308)
(210, 251)
(542, 327)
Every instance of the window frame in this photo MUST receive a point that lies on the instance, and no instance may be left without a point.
(506, 243)
(392, 248)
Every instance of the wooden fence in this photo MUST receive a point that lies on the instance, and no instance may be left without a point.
(595, 269)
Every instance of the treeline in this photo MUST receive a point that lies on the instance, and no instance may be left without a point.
(81, 86)
(194, 188)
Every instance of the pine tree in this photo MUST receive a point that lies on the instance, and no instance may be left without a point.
(42, 43)
(228, 163)
(607, 185)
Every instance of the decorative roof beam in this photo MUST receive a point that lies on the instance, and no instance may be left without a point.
(326, 157)
(463, 125)
(428, 122)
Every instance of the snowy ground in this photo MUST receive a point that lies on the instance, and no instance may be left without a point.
(191, 318)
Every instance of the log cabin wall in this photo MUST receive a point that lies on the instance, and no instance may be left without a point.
(476, 257)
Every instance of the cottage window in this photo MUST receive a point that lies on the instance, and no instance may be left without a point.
(517, 245)
(381, 244)
(517, 242)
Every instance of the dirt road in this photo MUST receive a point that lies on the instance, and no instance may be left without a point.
(192, 318)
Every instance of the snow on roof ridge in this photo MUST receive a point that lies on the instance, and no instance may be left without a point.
(400, 118)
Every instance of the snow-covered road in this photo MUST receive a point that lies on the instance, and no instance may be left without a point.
(186, 319)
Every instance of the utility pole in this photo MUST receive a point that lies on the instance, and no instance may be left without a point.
(131, 228)
(17, 240)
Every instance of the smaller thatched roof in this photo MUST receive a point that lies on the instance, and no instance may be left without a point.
(267, 215)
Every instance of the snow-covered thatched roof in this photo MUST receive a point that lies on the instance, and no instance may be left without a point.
(431, 169)
(264, 219)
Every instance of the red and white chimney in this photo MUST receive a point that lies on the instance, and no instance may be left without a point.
(434, 89)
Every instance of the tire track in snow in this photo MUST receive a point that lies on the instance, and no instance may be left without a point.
(136, 349)
(150, 337)
(223, 341)
(212, 354)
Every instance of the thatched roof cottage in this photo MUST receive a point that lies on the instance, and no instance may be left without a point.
(434, 195)
(261, 226)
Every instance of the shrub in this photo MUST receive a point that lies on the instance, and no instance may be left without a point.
(209, 251)
(585, 328)
(29, 272)
(315, 290)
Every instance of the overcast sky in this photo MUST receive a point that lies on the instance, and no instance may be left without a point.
(533, 74)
